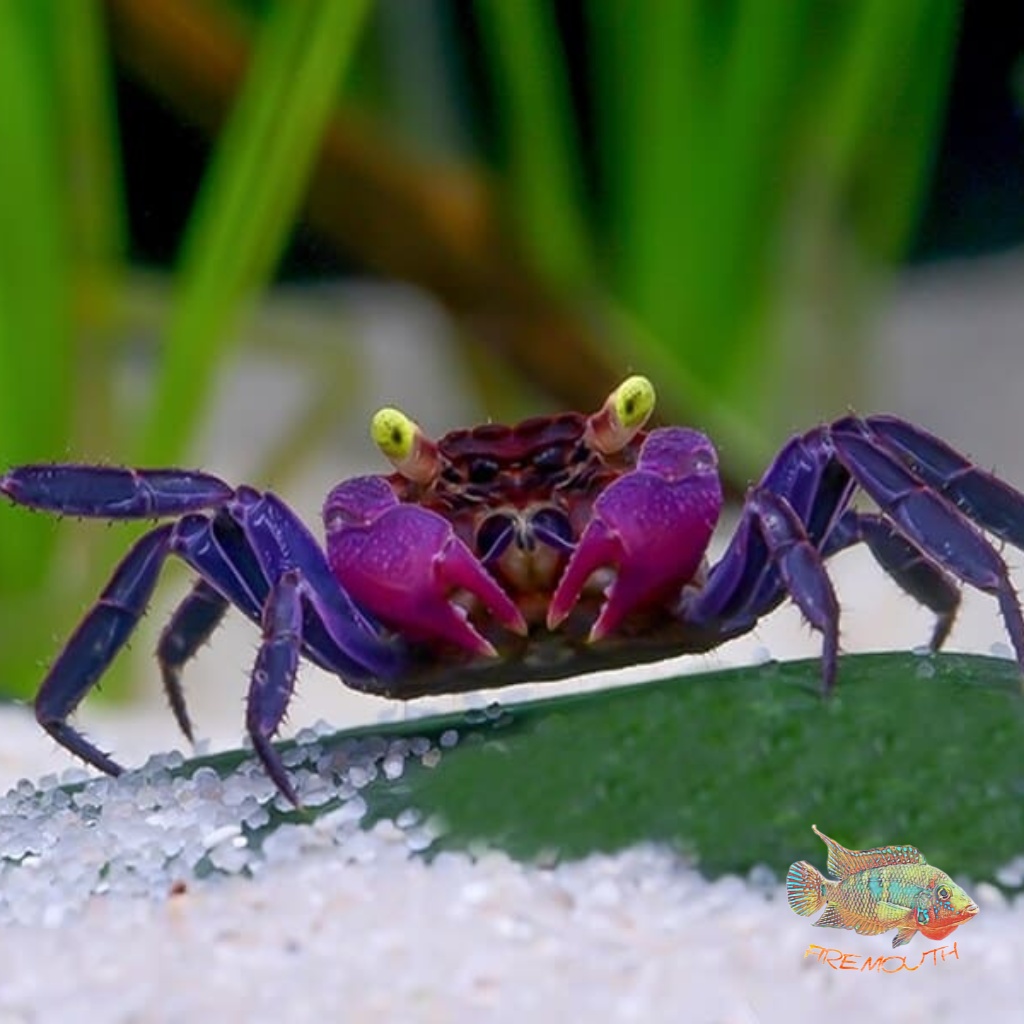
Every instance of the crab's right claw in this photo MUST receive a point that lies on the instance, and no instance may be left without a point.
(600, 547)
(403, 563)
(650, 528)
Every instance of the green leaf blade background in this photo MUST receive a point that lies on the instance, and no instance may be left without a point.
(248, 205)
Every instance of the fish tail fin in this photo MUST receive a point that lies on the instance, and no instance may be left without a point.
(806, 888)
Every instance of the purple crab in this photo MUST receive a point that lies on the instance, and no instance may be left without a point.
(501, 554)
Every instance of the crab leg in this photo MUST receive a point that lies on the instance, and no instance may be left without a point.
(107, 627)
(304, 600)
(931, 522)
(800, 565)
(987, 500)
(222, 553)
(110, 492)
(93, 645)
(743, 585)
(219, 556)
(273, 676)
(256, 539)
(281, 542)
(772, 555)
(252, 540)
(218, 552)
(229, 571)
(916, 573)
(191, 625)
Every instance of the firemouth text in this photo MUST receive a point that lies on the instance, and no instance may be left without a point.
(840, 961)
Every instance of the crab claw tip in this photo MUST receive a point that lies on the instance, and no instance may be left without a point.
(484, 648)
(518, 624)
(457, 567)
(599, 547)
(556, 617)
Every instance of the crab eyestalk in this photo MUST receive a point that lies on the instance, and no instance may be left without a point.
(405, 445)
(622, 416)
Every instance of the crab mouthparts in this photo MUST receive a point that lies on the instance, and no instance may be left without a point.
(526, 550)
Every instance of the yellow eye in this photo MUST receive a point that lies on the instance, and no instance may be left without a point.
(405, 446)
(942, 892)
(621, 417)
(393, 433)
(634, 402)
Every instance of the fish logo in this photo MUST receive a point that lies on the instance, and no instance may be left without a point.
(877, 890)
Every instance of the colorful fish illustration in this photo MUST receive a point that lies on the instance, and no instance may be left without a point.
(877, 890)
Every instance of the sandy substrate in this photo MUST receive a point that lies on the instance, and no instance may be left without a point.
(631, 938)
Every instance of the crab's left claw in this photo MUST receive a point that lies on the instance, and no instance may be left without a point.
(651, 528)
(403, 564)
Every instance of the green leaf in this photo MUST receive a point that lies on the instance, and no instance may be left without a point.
(543, 149)
(96, 222)
(736, 766)
(248, 203)
(95, 200)
(742, 147)
(36, 369)
(652, 103)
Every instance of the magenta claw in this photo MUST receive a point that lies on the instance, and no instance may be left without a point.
(599, 546)
(651, 526)
(403, 562)
(459, 568)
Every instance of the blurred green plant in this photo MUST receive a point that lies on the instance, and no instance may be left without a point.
(703, 192)
(758, 164)
(709, 191)
(62, 263)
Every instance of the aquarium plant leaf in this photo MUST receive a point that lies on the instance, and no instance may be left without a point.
(248, 204)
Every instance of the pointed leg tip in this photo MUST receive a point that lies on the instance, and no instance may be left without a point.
(274, 767)
(185, 725)
(288, 792)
